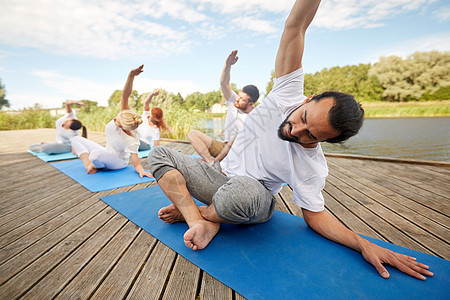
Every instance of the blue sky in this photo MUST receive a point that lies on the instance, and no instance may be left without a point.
(83, 49)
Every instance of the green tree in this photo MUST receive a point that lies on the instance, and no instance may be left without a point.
(192, 100)
(234, 88)
(3, 101)
(178, 100)
(269, 85)
(115, 98)
(90, 106)
(134, 100)
(413, 78)
(348, 79)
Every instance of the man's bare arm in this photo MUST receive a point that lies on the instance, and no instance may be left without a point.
(327, 226)
(290, 51)
(128, 88)
(225, 76)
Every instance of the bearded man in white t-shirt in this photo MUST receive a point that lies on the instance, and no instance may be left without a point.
(278, 143)
(238, 107)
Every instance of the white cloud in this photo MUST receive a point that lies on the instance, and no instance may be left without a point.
(70, 87)
(439, 42)
(347, 14)
(25, 100)
(443, 14)
(240, 7)
(256, 25)
(184, 87)
(105, 29)
(117, 29)
(75, 88)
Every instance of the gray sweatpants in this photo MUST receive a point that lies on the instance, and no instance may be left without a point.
(238, 199)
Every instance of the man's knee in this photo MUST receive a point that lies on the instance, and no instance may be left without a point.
(193, 134)
(160, 161)
(244, 200)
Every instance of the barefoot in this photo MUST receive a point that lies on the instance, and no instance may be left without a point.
(170, 214)
(200, 233)
(91, 169)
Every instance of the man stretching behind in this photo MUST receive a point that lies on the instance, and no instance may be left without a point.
(239, 106)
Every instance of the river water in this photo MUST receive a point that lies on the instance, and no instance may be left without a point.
(411, 138)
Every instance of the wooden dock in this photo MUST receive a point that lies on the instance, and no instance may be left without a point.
(58, 240)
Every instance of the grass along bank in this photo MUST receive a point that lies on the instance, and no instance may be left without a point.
(407, 109)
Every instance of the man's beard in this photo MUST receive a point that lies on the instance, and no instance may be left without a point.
(281, 131)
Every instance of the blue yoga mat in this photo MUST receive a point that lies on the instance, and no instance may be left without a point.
(53, 157)
(102, 180)
(144, 153)
(69, 155)
(283, 258)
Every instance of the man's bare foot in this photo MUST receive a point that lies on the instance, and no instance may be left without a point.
(170, 214)
(200, 234)
(91, 169)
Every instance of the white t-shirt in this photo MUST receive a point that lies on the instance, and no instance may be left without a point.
(64, 136)
(120, 143)
(259, 153)
(146, 132)
(235, 118)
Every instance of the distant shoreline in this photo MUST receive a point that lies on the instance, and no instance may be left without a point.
(380, 109)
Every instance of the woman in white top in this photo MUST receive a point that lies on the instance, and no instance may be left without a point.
(122, 139)
(66, 129)
(149, 130)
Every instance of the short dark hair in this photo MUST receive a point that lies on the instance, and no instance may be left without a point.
(252, 91)
(75, 125)
(346, 115)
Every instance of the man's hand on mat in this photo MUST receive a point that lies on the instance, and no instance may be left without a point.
(378, 256)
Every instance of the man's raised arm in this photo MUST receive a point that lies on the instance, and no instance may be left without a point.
(290, 51)
(225, 76)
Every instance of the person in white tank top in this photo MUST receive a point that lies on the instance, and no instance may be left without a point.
(122, 139)
(238, 107)
(66, 129)
(153, 121)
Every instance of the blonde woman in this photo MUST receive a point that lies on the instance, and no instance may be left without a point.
(149, 130)
(122, 139)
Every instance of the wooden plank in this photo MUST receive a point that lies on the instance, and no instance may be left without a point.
(28, 194)
(88, 243)
(32, 275)
(364, 207)
(407, 208)
(27, 219)
(400, 187)
(400, 218)
(151, 282)
(385, 188)
(53, 227)
(348, 218)
(119, 281)
(213, 289)
(409, 174)
(14, 260)
(184, 280)
(91, 276)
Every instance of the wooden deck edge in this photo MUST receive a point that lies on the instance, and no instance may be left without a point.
(390, 159)
(364, 157)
